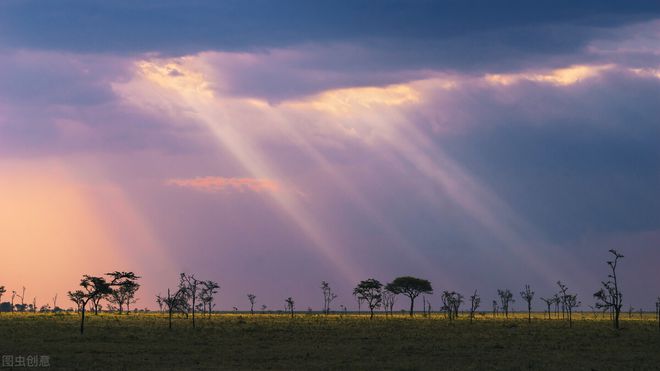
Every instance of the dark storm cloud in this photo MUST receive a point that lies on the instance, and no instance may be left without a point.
(417, 34)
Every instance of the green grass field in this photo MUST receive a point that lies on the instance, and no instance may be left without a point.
(262, 341)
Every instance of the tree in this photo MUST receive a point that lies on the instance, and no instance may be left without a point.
(451, 302)
(411, 287)
(21, 307)
(328, 296)
(77, 297)
(94, 288)
(371, 291)
(252, 298)
(124, 288)
(527, 295)
(178, 302)
(2, 291)
(290, 305)
(190, 285)
(548, 302)
(657, 311)
(475, 300)
(389, 299)
(506, 298)
(206, 295)
(568, 302)
(609, 296)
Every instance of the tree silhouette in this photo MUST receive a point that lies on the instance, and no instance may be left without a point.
(178, 302)
(548, 302)
(94, 288)
(206, 295)
(475, 300)
(21, 307)
(451, 302)
(251, 298)
(506, 298)
(328, 296)
(527, 295)
(290, 305)
(190, 285)
(411, 287)
(609, 296)
(371, 291)
(2, 291)
(389, 298)
(568, 302)
(125, 286)
(657, 311)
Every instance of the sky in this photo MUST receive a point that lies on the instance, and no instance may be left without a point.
(269, 146)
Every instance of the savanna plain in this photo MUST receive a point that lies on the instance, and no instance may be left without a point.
(238, 341)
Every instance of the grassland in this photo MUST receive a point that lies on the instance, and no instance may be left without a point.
(262, 341)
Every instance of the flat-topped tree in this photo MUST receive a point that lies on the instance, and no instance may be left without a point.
(124, 288)
(411, 287)
(93, 288)
(371, 291)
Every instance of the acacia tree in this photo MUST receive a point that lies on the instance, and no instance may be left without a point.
(94, 287)
(126, 287)
(506, 298)
(475, 300)
(206, 295)
(328, 296)
(290, 305)
(411, 287)
(190, 285)
(178, 302)
(251, 298)
(527, 295)
(451, 302)
(389, 298)
(609, 296)
(371, 291)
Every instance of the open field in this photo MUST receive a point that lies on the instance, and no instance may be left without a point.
(233, 341)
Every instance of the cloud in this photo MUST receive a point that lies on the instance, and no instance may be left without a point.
(220, 184)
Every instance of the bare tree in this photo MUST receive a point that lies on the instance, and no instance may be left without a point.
(178, 302)
(190, 285)
(495, 308)
(568, 302)
(21, 307)
(411, 287)
(389, 298)
(475, 300)
(263, 308)
(548, 303)
(609, 297)
(160, 302)
(506, 298)
(55, 303)
(290, 305)
(252, 298)
(371, 291)
(328, 296)
(527, 295)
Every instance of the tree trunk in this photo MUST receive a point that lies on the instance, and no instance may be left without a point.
(372, 313)
(412, 306)
(82, 320)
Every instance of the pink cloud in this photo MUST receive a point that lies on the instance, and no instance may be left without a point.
(219, 184)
